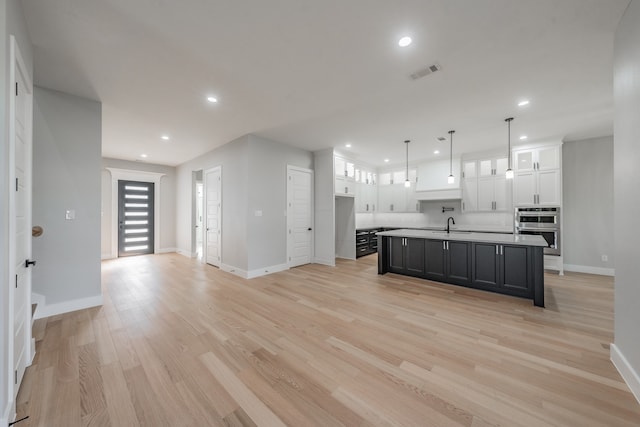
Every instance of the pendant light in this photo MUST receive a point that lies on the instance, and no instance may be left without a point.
(407, 183)
(451, 179)
(509, 173)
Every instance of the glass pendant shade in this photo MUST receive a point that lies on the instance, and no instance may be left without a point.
(509, 172)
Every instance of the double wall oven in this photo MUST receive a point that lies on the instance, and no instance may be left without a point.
(543, 222)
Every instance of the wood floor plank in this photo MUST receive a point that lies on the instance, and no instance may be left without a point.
(179, 343)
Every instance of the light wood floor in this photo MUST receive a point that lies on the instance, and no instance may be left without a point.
(181, 344)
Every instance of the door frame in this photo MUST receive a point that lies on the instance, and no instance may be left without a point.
(131, 175)
(205, 243)
(16, 66)
(291, 168)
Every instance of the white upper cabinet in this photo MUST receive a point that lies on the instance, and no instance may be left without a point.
(345, 177)
(538, 177)
(485, 188)
(393, 196)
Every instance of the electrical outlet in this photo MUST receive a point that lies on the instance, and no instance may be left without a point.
(605, 258)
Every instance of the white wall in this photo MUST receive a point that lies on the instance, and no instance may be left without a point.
(253, 178)
(167, 237)
(11, 22)
(267, 173)
(233, 159)
(625, 351)
(66, 175)
(587, 180)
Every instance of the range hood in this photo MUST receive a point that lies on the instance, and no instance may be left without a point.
(432, 181)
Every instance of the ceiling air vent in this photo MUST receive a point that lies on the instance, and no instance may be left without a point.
(425, 71)
(441, 138)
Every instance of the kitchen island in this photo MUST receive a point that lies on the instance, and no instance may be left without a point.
(504, 263)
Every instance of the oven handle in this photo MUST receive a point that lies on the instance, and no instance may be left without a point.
(536, 229)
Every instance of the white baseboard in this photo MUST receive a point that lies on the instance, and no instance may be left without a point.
(234, 270)
(67, 306)
(266, 270)
(590, 270)
(166, 250)
(106, 256)
(182, 252)
(328, 262)
(40, 300)
(629, 375)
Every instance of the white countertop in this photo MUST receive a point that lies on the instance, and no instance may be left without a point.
(498, 238)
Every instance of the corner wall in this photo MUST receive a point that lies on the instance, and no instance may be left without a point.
(233, 158)
(587, 189)
(67, 144)
(625, 351)
(268, 162)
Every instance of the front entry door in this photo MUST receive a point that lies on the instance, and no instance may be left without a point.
(299, 217)
(213, 215)
(135, 218)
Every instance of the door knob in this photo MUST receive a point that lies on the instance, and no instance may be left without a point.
(28, 263)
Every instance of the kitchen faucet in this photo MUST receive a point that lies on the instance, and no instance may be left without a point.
(453, 221)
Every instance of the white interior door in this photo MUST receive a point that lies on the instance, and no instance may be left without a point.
(20, 122)
(299, 216)
(213, 215)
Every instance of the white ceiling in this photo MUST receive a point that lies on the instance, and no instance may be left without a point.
(321, 73)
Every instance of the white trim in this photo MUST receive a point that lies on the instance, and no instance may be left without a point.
(166, 250)
(182, 252)
(106, 256)
(266, 270)
(133, 175)
(327, 262)
(590, 270)
(40, 301)
(629, 375)
(205, 244)
(68, 306)
(233, 270)
(311, 212)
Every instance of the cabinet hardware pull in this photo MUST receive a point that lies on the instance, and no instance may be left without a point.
(497, 249)
(444, 246)
(501, 250)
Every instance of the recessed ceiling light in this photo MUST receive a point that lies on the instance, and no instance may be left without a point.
(347, 145)
(404, 41)
(523, 137)
(144, 156)
(436, 152)
(523, 103)
(212, 99)
(165, 137)
(386, 160)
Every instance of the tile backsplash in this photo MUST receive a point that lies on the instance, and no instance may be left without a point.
(432, 216)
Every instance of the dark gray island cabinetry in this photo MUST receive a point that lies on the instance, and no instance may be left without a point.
(503, 263)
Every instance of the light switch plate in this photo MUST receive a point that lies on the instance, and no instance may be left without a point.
(70, 214)
(258, 213)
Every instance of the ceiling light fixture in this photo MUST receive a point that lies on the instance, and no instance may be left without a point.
(509, 173)
(451, 179)
(436, 152)
(386, 160)
(212, 99)
(523, 103)
(404, 41)
(165, 137)
(347, 145)
(144, 156)
(523, 137)
(407, 183)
